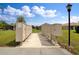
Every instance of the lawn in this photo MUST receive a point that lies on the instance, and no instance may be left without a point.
(35, 30)
(7, 38)
(74, 40)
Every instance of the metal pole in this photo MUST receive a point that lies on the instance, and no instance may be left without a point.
(69, 28)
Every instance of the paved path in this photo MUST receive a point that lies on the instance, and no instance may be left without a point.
(37, 40)
(33, 51)
(35, 45)
(38, 44)
(32, 41)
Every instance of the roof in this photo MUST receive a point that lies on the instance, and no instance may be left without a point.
(72, 24)
(51, 24)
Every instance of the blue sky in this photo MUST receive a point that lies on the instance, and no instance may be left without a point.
(38, 13)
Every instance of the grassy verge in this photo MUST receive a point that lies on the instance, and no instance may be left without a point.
(7, 38)
(35, 30)
(63, 40)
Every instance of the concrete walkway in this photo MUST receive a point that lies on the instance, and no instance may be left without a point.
(32, 41)
(33, 51)
(37, 40)
(35, 44)
(38, 44)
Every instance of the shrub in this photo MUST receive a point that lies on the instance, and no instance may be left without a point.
(77, 29)
(20, 19)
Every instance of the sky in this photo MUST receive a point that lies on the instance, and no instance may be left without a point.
(38, 13)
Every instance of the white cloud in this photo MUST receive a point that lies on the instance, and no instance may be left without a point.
(8, 19)
(10, 10)
(19, 12)
(38, 10)
(73, 19)
(28, 14)
(4, 17)
(50, 13)
(43, 12)
(15, 12)
(26, 9)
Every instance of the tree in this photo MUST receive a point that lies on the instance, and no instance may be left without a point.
(20, 19)
(3, 24)
(77, 29)
(13, 24)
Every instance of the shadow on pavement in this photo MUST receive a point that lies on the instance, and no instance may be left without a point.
(45, 41)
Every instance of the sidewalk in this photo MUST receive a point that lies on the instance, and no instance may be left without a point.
(32, 41)
(33, 51)
(34, 45)
(37, 40)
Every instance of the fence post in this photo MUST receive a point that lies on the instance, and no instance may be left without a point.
(19, 28)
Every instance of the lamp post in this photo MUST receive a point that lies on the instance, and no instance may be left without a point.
(69, 9)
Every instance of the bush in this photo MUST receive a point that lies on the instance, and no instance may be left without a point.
(77, 29)
(20, 19)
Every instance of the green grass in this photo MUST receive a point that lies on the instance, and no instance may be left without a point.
(74, 40)
(7, 38)
(35, 31)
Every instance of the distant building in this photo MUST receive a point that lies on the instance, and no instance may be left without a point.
(72, 26)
